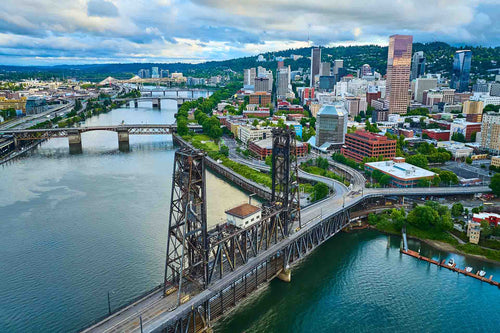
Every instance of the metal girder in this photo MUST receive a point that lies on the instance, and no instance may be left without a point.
(187, 245)
(285, 180)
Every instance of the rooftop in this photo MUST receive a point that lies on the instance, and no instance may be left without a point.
(332, 110)
(243, 210)
(400, 170)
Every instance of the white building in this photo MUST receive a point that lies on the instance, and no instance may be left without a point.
(251, 133)
(243, 215)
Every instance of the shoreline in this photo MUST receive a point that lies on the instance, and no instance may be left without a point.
(442, 246)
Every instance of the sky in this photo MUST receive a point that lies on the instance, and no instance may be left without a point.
(50, 32)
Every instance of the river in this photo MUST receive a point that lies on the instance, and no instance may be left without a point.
(75, 227)
(355, 283)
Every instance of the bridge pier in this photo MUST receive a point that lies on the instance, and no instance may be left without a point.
(157, 103)
(16, 143)
(136, 103)
(75, 142)
(285, 275)
(123, 140)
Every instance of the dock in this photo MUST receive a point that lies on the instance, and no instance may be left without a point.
(443, 263)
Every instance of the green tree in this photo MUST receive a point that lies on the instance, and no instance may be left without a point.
(418, 160)
(224, 150)
(457, 209)
(468, 160)
(495, 184)
(182, 126)
(423, 217)
(320, 191)
(385, 180)
(255, 122)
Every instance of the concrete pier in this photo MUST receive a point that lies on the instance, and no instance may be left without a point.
(157, 103)
(285, 275)
(136, 103)
(75, 142)
(123, 140)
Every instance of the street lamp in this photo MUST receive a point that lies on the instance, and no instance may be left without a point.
(109, 303)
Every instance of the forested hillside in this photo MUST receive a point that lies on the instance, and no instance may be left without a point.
(439, 57)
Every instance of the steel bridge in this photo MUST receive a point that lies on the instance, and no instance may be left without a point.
(209, 271)
(74, 133)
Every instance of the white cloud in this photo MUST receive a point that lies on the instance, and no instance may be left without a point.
(162, 30)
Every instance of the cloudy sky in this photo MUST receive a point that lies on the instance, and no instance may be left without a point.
(44, 32)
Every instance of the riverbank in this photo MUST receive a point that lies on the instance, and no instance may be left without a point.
(437, 244)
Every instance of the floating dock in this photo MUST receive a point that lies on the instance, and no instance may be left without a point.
(451, 268)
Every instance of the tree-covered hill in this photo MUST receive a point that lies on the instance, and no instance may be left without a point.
(439, 58)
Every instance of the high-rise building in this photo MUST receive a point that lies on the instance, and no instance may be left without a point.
(331, 124)
(417, 65)
(327, 82)
(422, 84)
(261, 84)
(398, 72)
(144, 74)
(490, 132)
(283, 82)
(261, 72)
(324, 69)
(461, 70)
(473, 111)
(365, 70)
(315, 64)
(155, 74)
(249, 77)
(338, 63)
(481, 86)
(495, 89)
(164, 73)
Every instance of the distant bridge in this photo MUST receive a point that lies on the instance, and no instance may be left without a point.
(74, 133)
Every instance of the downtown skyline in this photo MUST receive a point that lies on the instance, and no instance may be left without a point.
(93, 31)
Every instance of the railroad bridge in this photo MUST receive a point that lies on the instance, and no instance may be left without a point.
(75, 139)
(207, 272)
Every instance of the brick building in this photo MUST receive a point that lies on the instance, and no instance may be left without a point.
(362, 144)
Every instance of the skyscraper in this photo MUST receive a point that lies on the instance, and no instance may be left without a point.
(398, 72)
(283, 82)
(249, 76)
(315, 64)
(461, 70)
(324, 69)
(417, 65)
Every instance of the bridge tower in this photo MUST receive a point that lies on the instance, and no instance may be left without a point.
(186, 265)
(284, 171)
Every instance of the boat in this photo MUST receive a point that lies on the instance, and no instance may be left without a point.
(451, 262)
(481, 273)
(468, 269)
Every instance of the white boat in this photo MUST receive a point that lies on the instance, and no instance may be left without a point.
(481, 273)
(451, 262)
(468, 269)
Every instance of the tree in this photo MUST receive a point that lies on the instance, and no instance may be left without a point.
(423, 217)
(320, 191)
(468, 160)
(182, 126)
(457, 209)
(486, 229)
(357, 118)
(495, 184)
(224, 150)
(385, 180)
(269, 159)
(255, 122)
(418, 160)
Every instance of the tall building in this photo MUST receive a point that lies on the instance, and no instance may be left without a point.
(155, 73)
(249, 77)
(261, 71)
(144, 74)
(398, 72)
(261, 84)
(315, 64)
(365, 70)
(361, 144)
(331, 124)
(461, 70)
(338, 63)
(417, 65)
(422, 84)
(495, 89)
(283, 82)
(490, 132)
(324, 69)
(473, 111)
